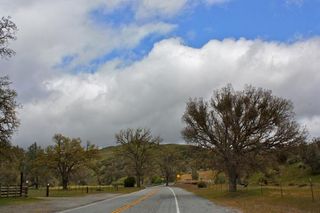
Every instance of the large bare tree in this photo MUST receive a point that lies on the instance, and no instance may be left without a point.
(241, 127)
(136, 147)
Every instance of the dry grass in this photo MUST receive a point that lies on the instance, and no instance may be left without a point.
(270, 201)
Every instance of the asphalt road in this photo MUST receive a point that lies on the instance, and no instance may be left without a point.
(153, 200)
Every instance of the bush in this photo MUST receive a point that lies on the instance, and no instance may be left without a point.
(220, 179)
(156, 180)
(129, 182)
(202, 184)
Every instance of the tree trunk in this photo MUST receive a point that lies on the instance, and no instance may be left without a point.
(138, 181)
(37, 182)
(232, 181)
(167, 180)
(65, 181)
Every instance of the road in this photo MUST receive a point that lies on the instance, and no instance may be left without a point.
(159, 199)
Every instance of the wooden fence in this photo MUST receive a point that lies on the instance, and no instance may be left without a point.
(13, 191)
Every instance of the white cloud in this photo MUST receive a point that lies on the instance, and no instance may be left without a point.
(148, 8)
(152, 92)
(149, 93)
(50, 30)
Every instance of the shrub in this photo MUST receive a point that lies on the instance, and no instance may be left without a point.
(220, 179)
(129, 182)
(202, 184)
(156, 180)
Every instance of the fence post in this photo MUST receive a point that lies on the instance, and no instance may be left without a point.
(26, 191)
(87, 189)
(21, 183)
(47, 192)
(311, 188)
(8, 190)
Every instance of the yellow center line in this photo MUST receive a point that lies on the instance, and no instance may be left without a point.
(135, 202)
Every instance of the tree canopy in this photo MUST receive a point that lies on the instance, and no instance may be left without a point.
(136, 146)
(8, 116)
(240, 127)
(67, 155)
(8, 30)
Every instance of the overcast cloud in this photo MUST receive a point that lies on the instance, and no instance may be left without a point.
(152, 91)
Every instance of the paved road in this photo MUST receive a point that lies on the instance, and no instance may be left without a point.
(153, 200)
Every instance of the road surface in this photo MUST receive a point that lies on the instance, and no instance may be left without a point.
(159, 199)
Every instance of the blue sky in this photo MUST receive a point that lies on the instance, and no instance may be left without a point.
(269, 20)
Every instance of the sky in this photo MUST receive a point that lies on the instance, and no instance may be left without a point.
(89, 68)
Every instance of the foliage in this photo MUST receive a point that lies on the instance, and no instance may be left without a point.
(36, 166)
(136, 146)
(241, 128)
(129, 182)
(67, 155)
(194, 174)
(311, 155)
(156, 180)
(220, 179)
(8, 115)
(169, 163)
(11, 165)
(8, 30)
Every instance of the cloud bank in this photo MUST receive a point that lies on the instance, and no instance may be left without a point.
(58, 37)
(152, 92)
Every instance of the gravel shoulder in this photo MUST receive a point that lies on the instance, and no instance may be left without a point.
(55, 204)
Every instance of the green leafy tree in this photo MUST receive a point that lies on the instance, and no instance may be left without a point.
(67, 155)
(37, 169)
(136, 146)
(240, 128)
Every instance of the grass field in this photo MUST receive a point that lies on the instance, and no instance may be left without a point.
(295, 199)
(73, 191)
(16, 201)
(78, 191)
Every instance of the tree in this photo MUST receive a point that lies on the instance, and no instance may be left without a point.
(8, 115)
(136, 146)
(168, 162)
(8, 30)
(8, 104)
(36, 165)
(67, 155)
(310, 154)
(241, 128)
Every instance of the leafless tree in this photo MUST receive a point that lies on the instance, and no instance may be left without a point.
(241, 127)
(136, 146)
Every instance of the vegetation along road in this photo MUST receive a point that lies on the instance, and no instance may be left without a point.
(153, 200)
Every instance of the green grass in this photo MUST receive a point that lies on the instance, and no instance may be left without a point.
(79, 191)
(16, 201)
(295, 199)
(35, 195)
